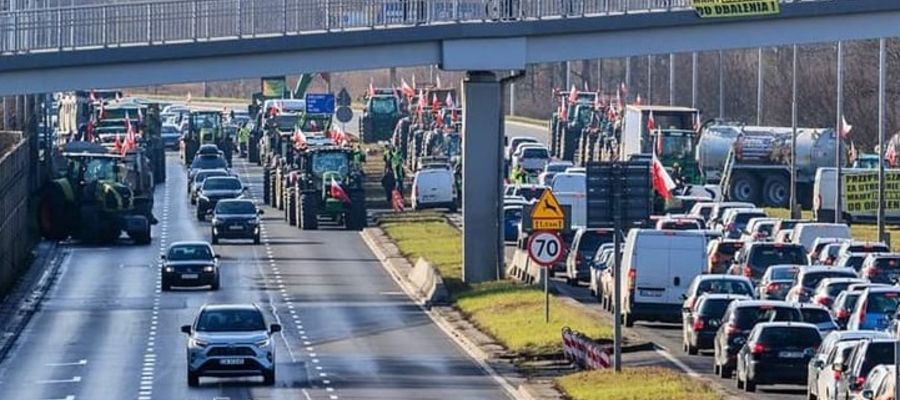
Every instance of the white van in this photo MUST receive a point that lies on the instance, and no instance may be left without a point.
(571, 190)
(860, 203)
(807, 233)
(657, 268)
(434, 188)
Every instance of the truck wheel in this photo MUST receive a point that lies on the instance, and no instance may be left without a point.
(776, 191)
(309, 212)
(143, 238)
(744, 187)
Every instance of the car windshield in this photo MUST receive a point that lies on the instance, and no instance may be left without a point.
(383, 105)
(815, 315)
(724, 286)
(747, 317)
(867, 248)
(333, 161)
(677, 144)
(784, 273)
(235, 207)
(209, 162)
(230, 321)
(764, 256)
(100, 169)
(189, 252)
(850, 301)
(812, 279)
(790, 336)
(557, 167)
(877, 353)
(221, 183)
(286, 121)
(887, 263)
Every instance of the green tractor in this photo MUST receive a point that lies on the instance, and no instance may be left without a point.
(379, 118)
(204, 127)
(98, 196)
(330, 184)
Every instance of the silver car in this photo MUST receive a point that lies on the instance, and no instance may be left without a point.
(230, 340)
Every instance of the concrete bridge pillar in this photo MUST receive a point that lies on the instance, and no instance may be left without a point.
(482, 177)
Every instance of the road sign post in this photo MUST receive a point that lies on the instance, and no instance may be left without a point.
(545, 246)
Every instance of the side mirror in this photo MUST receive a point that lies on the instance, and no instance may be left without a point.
(818, 363)
(275, 328)
(186, 329)
(217, 256)
(684, 296)
(868, 394)
(162, 257)
(260, 212)
(244, 189)
(837, 367)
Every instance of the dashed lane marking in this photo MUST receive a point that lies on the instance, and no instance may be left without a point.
(74, 379)
(68, 364)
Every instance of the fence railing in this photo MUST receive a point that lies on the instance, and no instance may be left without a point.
(162, 22)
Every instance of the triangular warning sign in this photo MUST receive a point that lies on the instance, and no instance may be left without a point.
(547, 208)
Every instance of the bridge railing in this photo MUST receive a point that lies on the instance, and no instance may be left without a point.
(162, 22)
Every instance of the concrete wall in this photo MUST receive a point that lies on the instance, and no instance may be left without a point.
(17, 229)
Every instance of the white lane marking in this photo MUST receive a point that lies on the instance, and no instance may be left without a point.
(74, 379)
(682, 366)
(306, 394)
(68, 364)
(69, 397)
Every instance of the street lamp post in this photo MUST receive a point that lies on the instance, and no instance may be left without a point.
(839, 127)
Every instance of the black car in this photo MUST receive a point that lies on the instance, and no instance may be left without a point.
(235, 219)
(190, 264)
(776, 353)
(215, 189)
(752, 261)
(206, 161)
(738, 321)
(700, 325)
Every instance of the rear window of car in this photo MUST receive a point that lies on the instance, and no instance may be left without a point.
(854, 261)
(812, 279)
(815, 315)
(725, 286)
(743, 218)
(535, 152)
(887, 263)
(221, 183)
(784, 273)
(849, 301)
(877, 353)
(591, 241)
(791, 336)
(728, 248)
(764, 256)
(202, 175)
(713, 308)
(867, 248)
(531, 193)
(836, 288)
(748, 316)
(208, 162)
(679, 225)
(882, 302)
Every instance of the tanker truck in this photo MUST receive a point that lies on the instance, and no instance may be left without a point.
(752, 163)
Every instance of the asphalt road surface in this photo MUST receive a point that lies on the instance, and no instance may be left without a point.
(105, 330)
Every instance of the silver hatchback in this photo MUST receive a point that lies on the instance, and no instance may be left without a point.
(230, 340)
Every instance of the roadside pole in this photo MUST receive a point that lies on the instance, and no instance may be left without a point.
(839, 128)
(881, 144)
(617, 292)
(795, 210)
(546, 295)
(545, 246)
(759, 86)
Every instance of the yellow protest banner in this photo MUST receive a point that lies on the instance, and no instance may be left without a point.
(736, 8)
(861, 192)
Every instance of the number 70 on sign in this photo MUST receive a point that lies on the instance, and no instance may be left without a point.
(545, 248)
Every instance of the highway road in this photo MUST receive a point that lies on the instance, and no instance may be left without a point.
(666, 336)
(106, 331)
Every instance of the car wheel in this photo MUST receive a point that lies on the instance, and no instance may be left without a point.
(727, 373)
(628, 320)
(717, 371)
(749, 384)
(740, 382)
(215, 284)
(269, 377)
(201, 214)
(193, 379)
(215, 239)
(256, 239)
(811, 396)
(691, 350)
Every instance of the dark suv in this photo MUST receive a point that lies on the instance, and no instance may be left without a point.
(753, 260)
(190, 264)
(700, 325)
(739, 319)
(235, 219)
(215, 189)
(776, 353)
(584, 246)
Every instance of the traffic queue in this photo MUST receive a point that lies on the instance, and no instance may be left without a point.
(772, 300)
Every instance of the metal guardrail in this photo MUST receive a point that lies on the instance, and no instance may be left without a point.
(165, 22)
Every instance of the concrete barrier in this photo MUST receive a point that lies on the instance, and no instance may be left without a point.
(17, 231)
(522, 268)
(428, 281)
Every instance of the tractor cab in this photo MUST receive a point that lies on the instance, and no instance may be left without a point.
(204, 127)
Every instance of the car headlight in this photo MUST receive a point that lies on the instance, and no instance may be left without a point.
(263, 343)
(197, 343)
(215, 221)
(208, 268)
(254, 221)
(170, 269)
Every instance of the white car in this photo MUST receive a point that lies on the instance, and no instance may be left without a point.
(835, 347)
(433, 188)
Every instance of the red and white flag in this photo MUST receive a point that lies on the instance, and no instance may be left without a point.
(371, 87)
(338, 192)
(435, 103)
(662, 182)
(638, 101)
(189, 98)
(407, 90)
(437, 81)
(563, 110)
(624, 89)
(697, 124)
(130, 139)
(845, 127)
(93, 97)
(651, 122)
(573, 95)
(420, 105)
(891, 155)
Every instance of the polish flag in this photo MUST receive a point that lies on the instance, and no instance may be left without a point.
(573, 95)
(435, 103)
(845, 127)
(651, 122)
(93, 97)
(118, 145)
(338, 192)
(624, 89)
(371, 87)
(449, 101)
(437, 81)
(420, 105)
(891, 155)
(563, 110)
(130, 139)
(407, 90)
(638, 101)
(662, 182)
(697, 124)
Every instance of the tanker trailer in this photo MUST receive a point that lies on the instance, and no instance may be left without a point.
(752, 163)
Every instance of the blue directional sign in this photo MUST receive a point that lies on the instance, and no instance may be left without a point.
(320, 103)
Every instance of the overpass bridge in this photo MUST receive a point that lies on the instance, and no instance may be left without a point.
(145, 43)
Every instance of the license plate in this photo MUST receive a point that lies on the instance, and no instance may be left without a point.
(189, 276)
(231, 361)
(236, 227)
(790, 354)
(651, 293)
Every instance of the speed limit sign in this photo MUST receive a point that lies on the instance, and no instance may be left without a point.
(545, 248)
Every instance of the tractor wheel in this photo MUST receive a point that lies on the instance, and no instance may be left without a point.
(291, 208)
(309, 212)
(142, 238)
(356, 218)
(54, 219)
